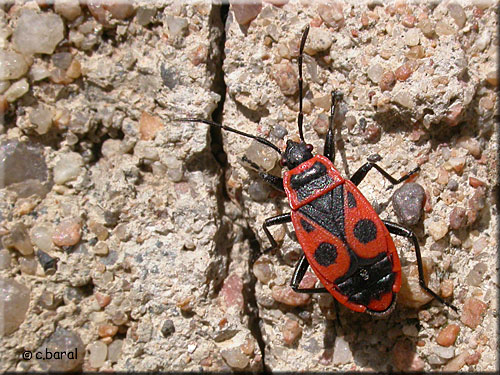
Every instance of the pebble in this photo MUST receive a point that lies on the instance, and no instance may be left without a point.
(444, 352)
(473, 359)
(167, 328)
(476, 275)
(404, 72)
(47, 262)
(341, 351)
(99, 230)
(258, 191)
(408, 202)
(12, 65)
(492, 78)
(387, 81)
(457, 163)
(63, 340)
(28, 265)
(437, 229)
(404, 98)
(15, 300)
(231, 292)
(458, 218)
(49, 301)
(19, 239)
(457, 13)
(62, 60)
(472, 312)
(286, 78)
(248, 347)
(409, 21)
(41, 117)
(41, 236)
(411, 293)
(112, 147)
(149, 125)
(318, 40)
(456, 363)
(67, 233)
(17, 90)
(235, 358)
(405, 358)
(68, 167)
(119, 9)
(107, 330)
(412, 37)
(69, 9)
(446, 288)
(448, 335)
(101, 248)
(245, 12)
(103, 300)
(427, 27)
(5, 259)
(37, 33)
(375, 73)
(285, 294)
(332, 14)
(177, 26)
(372, 133)
(74, 70)
(472, 145)
(115, 351)
(145, 15)
(291, 331)
(443, 29)
(474, 182)
(321, 124)
(263, 156)
(263, 270)
(98, 351)
(416, 52)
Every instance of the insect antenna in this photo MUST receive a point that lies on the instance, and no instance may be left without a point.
(301, 53)
(258, 139)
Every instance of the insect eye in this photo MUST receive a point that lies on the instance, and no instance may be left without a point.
(282, 162)
(309, 147)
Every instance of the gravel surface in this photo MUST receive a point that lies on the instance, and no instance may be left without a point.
(131, 241)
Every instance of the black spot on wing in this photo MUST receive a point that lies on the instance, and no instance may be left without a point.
(351, 201)
(365, 231)
(307, 227)
(325, 254)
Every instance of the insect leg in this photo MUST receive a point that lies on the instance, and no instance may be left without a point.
(358, 176)
(275, 220)
(329, 148)
(298, 275)
(275, 181)
(402, 231)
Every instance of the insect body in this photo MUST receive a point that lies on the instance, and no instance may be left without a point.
(344, 241)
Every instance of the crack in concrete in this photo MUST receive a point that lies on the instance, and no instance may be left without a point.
(218, 19)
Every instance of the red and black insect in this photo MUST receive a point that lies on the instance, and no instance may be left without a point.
(347, 245)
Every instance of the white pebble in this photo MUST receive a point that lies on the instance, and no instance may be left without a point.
(341, 351)
(41, 236)
(98, 353)
(16, 90)
(69, 9)
(37, 33)
(68, 168)
(12, 65)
